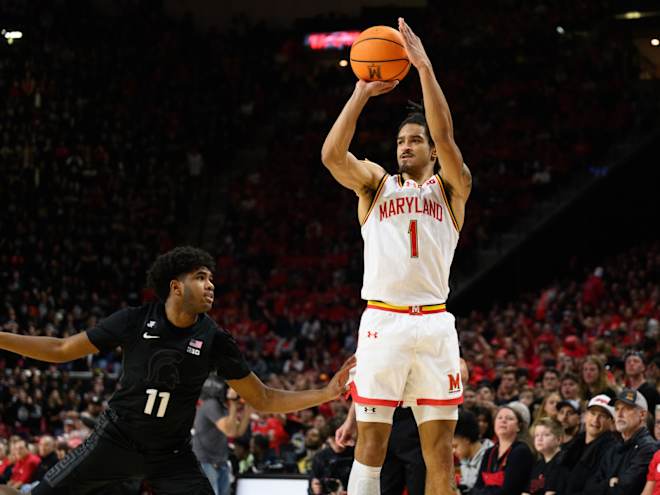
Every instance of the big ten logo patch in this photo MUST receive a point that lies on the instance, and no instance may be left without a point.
(195, 347)
(454, 383)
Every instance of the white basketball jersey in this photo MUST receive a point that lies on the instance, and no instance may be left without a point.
(410, 236)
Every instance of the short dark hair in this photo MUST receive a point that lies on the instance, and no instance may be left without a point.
(569, 375)
(467, 426)
(416, 116)
(550, 370)
(634, 352)
(510, 370)
(173, 264)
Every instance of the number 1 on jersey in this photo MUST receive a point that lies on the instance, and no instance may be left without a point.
(414, 247)
(151, 402)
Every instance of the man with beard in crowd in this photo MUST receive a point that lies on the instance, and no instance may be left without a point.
(568, 415)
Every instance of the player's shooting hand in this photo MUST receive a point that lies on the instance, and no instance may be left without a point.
(231, 394)
(337, 385)
(375, 88)
(413, 45)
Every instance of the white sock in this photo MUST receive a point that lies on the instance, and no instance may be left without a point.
(364, 480)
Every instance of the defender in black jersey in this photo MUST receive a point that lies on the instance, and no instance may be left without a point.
(169, 348)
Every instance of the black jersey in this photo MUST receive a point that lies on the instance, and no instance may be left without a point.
(164, 368)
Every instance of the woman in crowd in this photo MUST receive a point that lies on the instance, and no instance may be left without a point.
(593, 378)
(548, 407)
(569, 387)
(506, 467)
(485, 420)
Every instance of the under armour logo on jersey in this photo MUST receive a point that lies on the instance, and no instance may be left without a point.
(369, 410)
(372, 334)
(151, 324)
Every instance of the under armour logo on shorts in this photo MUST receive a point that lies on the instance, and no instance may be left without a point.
(369, 410)
(372, 334)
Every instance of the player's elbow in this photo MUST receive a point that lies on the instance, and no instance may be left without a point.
(326, 158)
(330, 157)
(58, 352)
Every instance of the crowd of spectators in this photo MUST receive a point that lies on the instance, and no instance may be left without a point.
(103, 152)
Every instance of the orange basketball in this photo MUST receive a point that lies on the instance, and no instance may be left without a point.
(378, 55)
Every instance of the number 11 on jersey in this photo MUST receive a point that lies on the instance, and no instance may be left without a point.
(414, 246)
(151, 402)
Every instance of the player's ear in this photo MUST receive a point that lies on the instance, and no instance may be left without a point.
(176, 287)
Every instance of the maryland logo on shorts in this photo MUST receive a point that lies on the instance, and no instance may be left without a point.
(454, 383)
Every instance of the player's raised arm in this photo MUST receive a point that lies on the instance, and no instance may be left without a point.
(350, 172)
(49, 349)
(438, 116)
(267, 399)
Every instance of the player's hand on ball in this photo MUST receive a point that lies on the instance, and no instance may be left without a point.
(413, 45)
(375, 88)
(337, 385)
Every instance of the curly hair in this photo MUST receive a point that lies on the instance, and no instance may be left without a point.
(173, 264)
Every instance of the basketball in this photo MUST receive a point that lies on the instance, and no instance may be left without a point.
(378, 54)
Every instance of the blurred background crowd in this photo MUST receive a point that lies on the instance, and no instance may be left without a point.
(124, 135)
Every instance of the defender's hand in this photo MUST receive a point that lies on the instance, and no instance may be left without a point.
(337, 385)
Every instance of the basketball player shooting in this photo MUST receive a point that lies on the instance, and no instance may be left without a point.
(408, 351)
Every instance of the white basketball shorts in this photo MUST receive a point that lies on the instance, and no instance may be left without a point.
(407, 356)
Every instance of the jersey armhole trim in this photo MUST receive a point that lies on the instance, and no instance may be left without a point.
(444, 196)
(379, 190)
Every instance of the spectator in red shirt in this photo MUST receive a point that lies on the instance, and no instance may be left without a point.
(25, 466)
(4, 458)
(652, 486)
(272, 427)
(593, 288)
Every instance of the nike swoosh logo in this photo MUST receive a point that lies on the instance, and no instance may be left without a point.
(147, 336)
